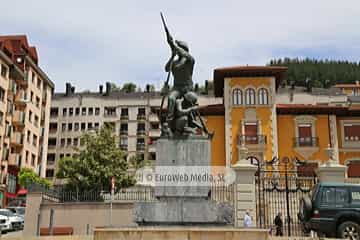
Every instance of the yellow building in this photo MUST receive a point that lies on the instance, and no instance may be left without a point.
(252, 118)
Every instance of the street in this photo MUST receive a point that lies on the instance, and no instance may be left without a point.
(12, 234)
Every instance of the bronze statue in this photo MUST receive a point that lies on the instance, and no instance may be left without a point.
(182, 109)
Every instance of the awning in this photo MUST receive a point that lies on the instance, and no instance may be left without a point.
(22, 191)
(10, 195)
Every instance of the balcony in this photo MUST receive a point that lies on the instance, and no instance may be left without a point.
(15, 159)
(19, 118)
(21, 98)
(124, 147)
(17, 139)
(306, 142)
(44, 97)
(8, 131)
(124, 117)
(12, 90)
(141, 117)
(141, 132)
(153, 118)
(5, 154)
(251, 140)
(110, 114)
(155, 132)
(23, 81)
(123, 132)
(140, 147)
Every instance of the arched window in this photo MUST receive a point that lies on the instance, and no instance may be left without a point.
(237, 97)
(250, 96)
(263, 96)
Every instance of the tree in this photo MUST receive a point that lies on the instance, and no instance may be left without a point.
(129, 87)
(95, 165)
(27, 177)
(114, 87)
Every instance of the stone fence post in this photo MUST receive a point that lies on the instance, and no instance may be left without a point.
(33, 204)
(245, 195)
(331, 171)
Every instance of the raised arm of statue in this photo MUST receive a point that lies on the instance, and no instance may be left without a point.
(183, 111)
(169, 62)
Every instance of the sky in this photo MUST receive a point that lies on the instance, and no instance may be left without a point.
(89, 42)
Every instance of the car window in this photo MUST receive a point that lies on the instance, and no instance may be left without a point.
(21, 211)
(355, 195)
(342, 196)
(12, 210)
(6, 213)
(328, 196)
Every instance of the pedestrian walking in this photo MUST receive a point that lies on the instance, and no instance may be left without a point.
(278, 225)
(247, 220)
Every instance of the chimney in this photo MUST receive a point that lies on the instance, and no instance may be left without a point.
(67, 88)
(107, 88)
(147, 88)
(100, 89)
(206, 87)
(72, 89)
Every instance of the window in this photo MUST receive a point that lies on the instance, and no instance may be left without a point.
(124, 141)
(70, 125)
(53, 127)
(154, 125)
(110, 111)
(1, 118)
(328, 196)
(140, 141)
(141, 111)
(52, 142)
(250, 96)
(51, 158)
(90, 126)
(49, 173)
(28, 136)
(34, 140)
(3, 71)
(355, 195)
(63, 127)
(263, 96)
(352, 132)
(305, 135)
(30, 116)
(31, 96)
(54, 112)
(83, 111)
(64, 112)
(62, 142)
(2, 94)
(32, 159)
(33, 77)
(83, 126)
(97, 111)
(71, 111)
(27, 157)
(96, 125)
(76, 142)
(237, 97)
(77, 111)
(123, 128)
(76, 126)
(39, 83)
(69, 142)
(37, 102)
(251, 132)
(141, 127)
(36, 120)
(91, 111)
(61, 156)
(307, 169)
(124, 112)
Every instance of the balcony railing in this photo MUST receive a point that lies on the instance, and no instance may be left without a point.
(141, 117)
(155, 132)
(17, 139)
(306, 142)
(251, 139)
(19, 118)
(140, 146)
(141, 132)
(153, 117)
(124, 117)
(15, 159)
(124, 147)
(123, 132)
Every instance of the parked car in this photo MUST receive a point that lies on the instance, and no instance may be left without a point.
(18, 210)
(16, 221)
(5, 224)
(333, 210)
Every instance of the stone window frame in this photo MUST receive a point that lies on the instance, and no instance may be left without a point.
(238, 93)
(348, 144)
(305, 119)
(263, 96)
(249, 92)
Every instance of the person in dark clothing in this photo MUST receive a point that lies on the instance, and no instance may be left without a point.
(279, 225)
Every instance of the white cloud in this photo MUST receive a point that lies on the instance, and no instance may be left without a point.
(90, 42)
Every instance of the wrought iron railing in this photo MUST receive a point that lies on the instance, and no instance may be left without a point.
(306, 142)
(251, 139)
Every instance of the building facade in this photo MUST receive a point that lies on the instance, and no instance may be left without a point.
(270, 120)
(133, 117)
(25, 99)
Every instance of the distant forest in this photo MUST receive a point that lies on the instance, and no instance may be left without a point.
(322, 73)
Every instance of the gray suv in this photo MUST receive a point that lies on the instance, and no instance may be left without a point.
(332, 210)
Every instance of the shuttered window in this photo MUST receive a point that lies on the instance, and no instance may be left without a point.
(251, 131)
(352, 132)
(305, 135)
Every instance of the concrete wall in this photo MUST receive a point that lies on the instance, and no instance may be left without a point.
(76, 215)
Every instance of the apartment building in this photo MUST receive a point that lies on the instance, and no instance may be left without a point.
(25, 99)
(132, 115)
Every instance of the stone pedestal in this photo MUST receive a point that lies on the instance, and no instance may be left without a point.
(331, 172)
(245, 197)
(185, 201)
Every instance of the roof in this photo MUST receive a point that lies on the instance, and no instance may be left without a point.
(246, 71)
(317, 109)
(212, 110)
(354, 99)
(314, 91)
(349, 85)
(15, 44)
(112, 95)
(337, 184)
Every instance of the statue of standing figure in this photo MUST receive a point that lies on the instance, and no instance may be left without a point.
(182, 108)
